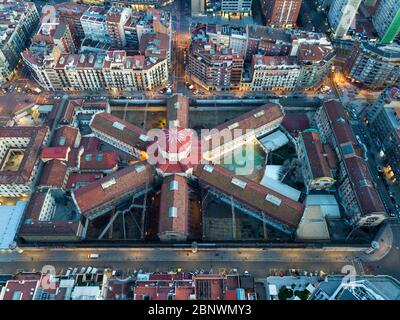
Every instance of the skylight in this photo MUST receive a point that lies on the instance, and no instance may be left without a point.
(140, 168)
(240, 183)
(233, 125)
(275, 200)
(108, 183)
(118, 125)
(259, 114)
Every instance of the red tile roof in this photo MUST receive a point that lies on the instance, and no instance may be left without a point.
(53, 174)
(55, 153)
(154, 44)
(183, 293)
(20, 289)
(295, 123)
(37, 137)
(65, 137)
(272, 111)
(90, 144)
(314, 53)
(128, 134)
(356, 167)
(315, 154)
(341, 128)
(179, 199)
(209, 287)
(99, 161)
(288, 212)
(80, 179)
(73, 157)
(54, 230)
(178, 109)
(364, 188)
(120, 289)
(100, 194)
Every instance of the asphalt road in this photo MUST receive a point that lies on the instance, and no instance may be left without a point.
(259, 262)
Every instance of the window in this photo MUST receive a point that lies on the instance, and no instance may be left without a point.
(61, 141)
(173, 185)
(172, 212)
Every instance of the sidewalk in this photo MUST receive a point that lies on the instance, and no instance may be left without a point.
(385, 240)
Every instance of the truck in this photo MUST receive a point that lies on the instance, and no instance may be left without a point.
(93, 256)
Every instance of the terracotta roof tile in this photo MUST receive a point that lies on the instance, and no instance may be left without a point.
(253, 194)
(115, 186)
(174, 194)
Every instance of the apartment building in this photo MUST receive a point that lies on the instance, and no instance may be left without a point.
(18, 21)
(213, 67)
(315, 62)
(241, 7)
(234, 37)
(57, 33)
(304, 70)
(281, 13)
(387, 20)
(374, 66)
(115, 19)
(341, 15)
(71, 14)
(274, 73)
(115, 69)
(94, 24)
(384, 122)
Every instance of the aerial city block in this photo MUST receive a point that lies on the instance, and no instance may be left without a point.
(199, 150)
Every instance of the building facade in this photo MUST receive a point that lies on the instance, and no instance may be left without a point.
(19, 20)
(281, 13)
(215, 68)
(387, 20)
(94, 24)
(113, 70)
(374, 66)
(242, 7)
(341, 15)
(384, 122)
